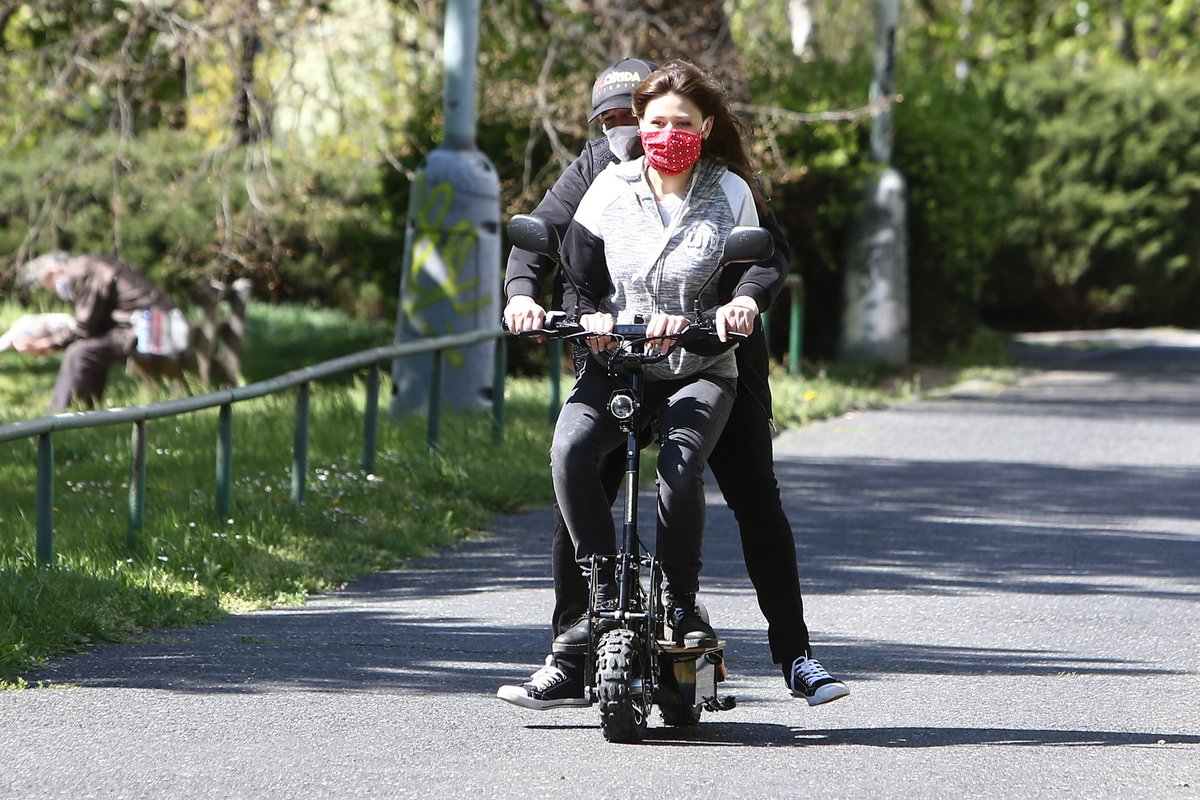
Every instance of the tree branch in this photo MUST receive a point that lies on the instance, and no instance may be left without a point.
(859, 114)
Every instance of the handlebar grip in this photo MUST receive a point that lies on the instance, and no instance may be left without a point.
(556, 325)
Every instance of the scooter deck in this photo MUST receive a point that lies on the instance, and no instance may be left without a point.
(668, 646)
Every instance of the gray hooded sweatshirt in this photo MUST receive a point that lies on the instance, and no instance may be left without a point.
(625, 261)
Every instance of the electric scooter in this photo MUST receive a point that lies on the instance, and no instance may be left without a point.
(633, 663)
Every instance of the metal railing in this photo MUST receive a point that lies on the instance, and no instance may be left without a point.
(795, 287)
(45, 427)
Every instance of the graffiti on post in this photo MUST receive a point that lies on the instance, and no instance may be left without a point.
(440, 267)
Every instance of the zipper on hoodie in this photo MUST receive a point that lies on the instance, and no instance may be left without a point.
(669, 232)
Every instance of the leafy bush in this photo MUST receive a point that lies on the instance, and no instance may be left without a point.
(184, 215)
(1108, 200)
(954, 146)
(814, 173)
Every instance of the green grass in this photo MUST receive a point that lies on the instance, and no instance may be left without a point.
(300, 336)
(190, 567)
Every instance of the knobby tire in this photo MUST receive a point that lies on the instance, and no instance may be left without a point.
(623, 711)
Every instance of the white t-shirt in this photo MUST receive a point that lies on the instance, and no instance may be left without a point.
(668, 206)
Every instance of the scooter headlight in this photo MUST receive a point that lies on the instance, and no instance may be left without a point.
(622, 405)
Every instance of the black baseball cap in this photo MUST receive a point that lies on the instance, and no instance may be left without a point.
(614, 88)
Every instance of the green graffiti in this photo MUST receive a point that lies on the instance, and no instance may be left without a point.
(440, 255)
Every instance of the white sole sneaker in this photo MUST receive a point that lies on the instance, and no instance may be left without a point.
(519, 697)
(826, 694)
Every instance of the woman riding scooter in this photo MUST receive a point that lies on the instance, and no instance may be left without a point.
(646, 236)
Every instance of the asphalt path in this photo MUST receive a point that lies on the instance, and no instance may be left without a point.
(1008, 580)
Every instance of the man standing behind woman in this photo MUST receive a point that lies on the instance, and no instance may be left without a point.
(741, 459)
(645, 239)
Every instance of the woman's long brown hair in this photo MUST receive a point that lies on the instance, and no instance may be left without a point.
(727, 143)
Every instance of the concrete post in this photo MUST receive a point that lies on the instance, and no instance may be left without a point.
(875, 318)
(451, 278)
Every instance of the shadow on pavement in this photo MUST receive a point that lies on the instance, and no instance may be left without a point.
(865, 526)
(954, 527)
(713, 731)
(357, 650)
(949, 737)
(1156, 380)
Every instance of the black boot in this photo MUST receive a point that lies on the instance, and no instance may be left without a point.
(575, 639)
(688, 628)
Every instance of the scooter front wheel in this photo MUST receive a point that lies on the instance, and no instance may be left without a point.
(620, 687)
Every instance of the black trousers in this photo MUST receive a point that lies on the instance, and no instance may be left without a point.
(83, 374)
(744, 465)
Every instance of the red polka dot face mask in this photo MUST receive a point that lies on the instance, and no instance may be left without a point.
(671, 150)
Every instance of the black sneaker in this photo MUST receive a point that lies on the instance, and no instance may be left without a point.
(687, 626)
(808, 679)
(549, 687)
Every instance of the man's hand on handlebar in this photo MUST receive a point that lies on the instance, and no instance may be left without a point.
(736, 316)
(522, 314)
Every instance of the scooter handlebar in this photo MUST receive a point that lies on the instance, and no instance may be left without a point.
(555, 325)
(698, 336)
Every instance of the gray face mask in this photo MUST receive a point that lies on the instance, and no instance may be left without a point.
(62, 288)
(621, 141)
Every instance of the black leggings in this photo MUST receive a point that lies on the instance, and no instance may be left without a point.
(691, 413)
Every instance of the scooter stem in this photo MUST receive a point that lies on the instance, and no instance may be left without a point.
(630, 546)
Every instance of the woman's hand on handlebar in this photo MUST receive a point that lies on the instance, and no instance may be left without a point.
(600, 324)
(667, 326)
(736, 316)
(522, 314)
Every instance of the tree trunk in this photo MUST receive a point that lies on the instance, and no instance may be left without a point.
(1127, 39)
(249, 43)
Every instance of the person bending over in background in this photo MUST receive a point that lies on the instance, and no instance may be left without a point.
(109, 299)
